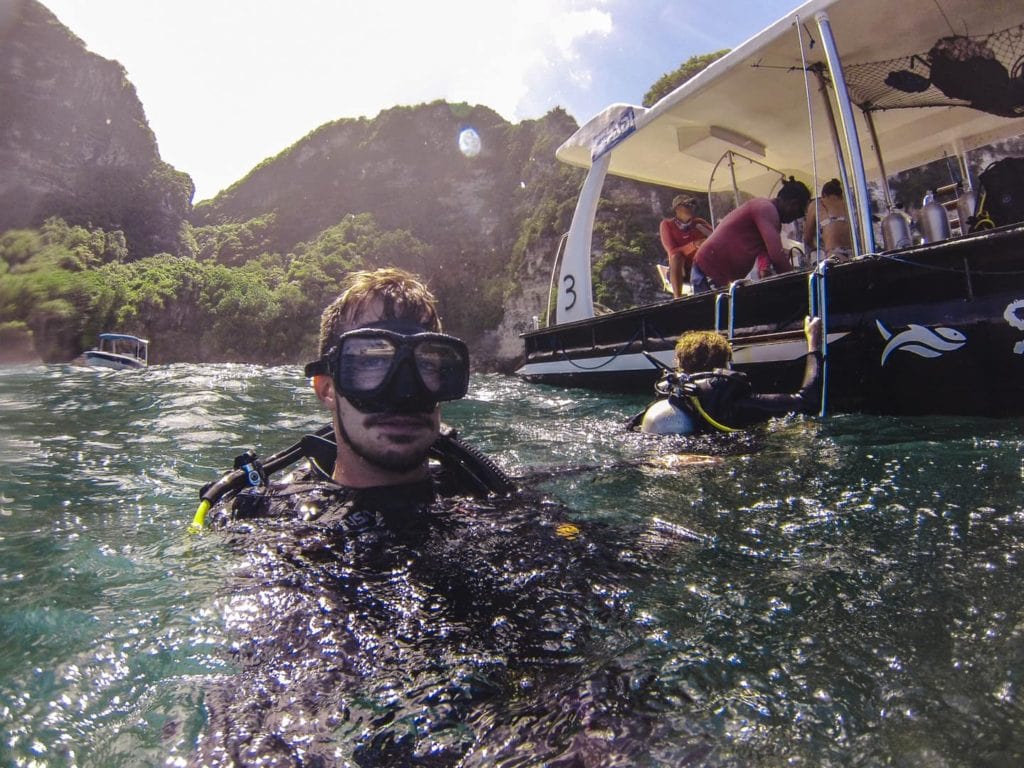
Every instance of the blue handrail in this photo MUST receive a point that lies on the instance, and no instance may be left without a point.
(817, 302)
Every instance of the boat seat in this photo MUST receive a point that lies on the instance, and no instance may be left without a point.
(666, 283)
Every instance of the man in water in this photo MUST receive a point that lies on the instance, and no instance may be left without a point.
(747, 236)
(703, 395)
(379, 623)
(383, 368)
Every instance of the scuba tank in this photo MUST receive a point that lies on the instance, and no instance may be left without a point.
(933, 220)
(966, 205)
(668, 417)
(896, 230)
(680, 409)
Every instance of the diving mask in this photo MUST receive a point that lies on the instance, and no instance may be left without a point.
(392, 368)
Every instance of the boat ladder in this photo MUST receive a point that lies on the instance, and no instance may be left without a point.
(817, 305)
(730, 299)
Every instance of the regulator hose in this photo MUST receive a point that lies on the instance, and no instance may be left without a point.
(248, 471)
(464, 469)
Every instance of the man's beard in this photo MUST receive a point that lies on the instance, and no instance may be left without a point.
(386, 458)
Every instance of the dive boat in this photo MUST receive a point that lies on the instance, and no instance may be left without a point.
(119, 350)
(851, 89)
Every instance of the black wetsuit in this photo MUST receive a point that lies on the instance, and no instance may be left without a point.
(729, 399)
(392, 627)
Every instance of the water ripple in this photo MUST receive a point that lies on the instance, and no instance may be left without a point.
(837, 593)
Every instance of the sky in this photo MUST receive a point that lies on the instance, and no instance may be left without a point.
(226, 84)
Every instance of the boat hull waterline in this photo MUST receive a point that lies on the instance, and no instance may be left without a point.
(99, 359)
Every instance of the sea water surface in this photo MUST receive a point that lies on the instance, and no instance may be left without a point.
(852, 593)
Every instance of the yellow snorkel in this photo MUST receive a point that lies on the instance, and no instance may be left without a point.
(199, 520)
(249, 471)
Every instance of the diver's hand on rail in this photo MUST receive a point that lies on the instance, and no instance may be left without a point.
(812, 330)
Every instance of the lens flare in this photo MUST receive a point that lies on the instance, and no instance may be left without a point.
(469, 142)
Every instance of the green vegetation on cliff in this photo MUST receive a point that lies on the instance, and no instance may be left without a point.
(669, 82)
(257, 264)
(66, 284)
(479, 221)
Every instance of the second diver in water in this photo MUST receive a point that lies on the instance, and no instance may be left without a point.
(704, 395)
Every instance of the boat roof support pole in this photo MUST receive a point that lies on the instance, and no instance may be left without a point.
(575, 289)
(863, 238)
(965, 167)
(730, 158)
(732, 177)
(844, 174)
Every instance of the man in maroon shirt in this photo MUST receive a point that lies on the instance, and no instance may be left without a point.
(749, 235)
(681, 235)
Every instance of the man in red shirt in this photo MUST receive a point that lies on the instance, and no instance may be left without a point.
(681, 235)
(749, 235)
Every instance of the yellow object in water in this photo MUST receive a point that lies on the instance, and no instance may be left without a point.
(199, 521)
(567, 530)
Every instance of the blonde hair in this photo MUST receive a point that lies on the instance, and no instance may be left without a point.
(698, 351)
(403, 296)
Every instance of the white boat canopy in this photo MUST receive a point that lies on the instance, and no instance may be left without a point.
(754, 100)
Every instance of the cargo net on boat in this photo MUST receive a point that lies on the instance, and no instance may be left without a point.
(983, 72)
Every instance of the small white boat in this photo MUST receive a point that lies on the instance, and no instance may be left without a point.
(119, 350)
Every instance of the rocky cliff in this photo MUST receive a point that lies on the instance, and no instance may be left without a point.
(74, 141)
(492, 218)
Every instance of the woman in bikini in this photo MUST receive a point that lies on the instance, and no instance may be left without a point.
(826, 228)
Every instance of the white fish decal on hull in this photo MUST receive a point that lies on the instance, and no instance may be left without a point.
(1012, 316)
(922, 341)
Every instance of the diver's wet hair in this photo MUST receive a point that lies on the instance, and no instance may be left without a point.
(403, 296)
(795, 190)
(698, 351)
(832, 188)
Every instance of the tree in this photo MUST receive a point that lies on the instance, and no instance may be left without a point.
(17, 246)
(235, 243)
(242, 314)
(668, 83)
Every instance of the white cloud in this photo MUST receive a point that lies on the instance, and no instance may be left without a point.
(569, 27)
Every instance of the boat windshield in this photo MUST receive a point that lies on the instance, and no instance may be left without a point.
(128, 346)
